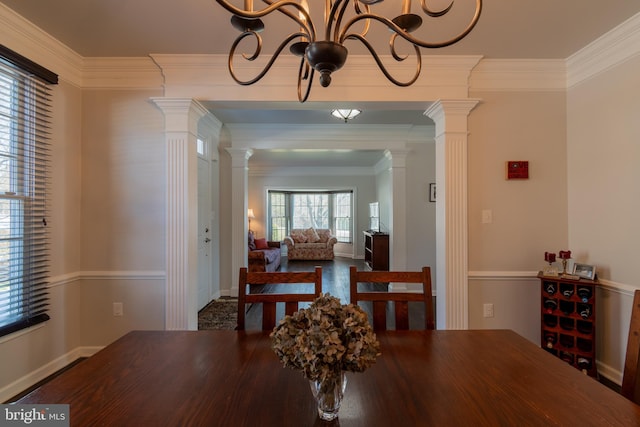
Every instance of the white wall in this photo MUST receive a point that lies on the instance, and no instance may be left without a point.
(421, 214)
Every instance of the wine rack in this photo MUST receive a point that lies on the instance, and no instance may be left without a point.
(569, 320)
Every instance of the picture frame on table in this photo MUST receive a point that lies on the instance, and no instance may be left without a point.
(584, 271)
(432, 192)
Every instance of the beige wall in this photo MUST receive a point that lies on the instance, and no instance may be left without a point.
(604, 151)
(604, 198)
(124, 189)
(30, 355)
(529, 217)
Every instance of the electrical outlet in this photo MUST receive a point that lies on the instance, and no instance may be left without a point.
(488, 310)
(118, 309)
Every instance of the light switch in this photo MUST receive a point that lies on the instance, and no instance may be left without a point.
(487, 216)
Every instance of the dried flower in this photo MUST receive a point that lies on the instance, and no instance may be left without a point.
(325, 339)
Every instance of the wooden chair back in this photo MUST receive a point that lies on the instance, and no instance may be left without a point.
(400, 300)
(249, 281)
(631, 375)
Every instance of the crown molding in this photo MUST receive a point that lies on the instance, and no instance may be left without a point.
(207, 77)
(30, 41)
(615, 47)
(519, 75)
(121, 73)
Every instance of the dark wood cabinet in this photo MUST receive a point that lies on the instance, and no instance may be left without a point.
(569, 320)
(376, 251)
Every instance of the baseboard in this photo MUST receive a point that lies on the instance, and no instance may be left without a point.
(609, 373)
(43, 372)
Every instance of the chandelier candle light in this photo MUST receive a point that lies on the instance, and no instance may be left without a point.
(329, 55)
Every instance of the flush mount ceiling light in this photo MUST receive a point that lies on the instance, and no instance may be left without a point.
(329, 54)
(345, 114)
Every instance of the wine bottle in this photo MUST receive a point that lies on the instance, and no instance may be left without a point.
(566, 290)
(550, 304)
(550, 288)
(584, 364)
(584, 310)
(584, 293)
(550, 339)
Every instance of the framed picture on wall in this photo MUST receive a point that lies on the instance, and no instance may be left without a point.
(432, 192)
(584, 271)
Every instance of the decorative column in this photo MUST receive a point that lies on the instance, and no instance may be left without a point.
(452, 234)
(398, 214)
(239, 205)
(181, 128)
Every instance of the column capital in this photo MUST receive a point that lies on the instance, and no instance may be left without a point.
(397, 158)
(180, 113)
(450, 115)
(239, 156)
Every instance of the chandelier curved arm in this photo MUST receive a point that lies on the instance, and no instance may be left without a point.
(339, 16)
(255, 55)
(305, 73)
(279, 6)
(425, 8)
(397, 58)
(405, 35)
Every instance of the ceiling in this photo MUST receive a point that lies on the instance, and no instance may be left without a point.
(507, 29)
(541, 29)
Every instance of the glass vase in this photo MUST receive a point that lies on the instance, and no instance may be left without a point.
(328, 394)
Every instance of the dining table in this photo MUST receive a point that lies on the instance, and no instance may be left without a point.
(421, 378)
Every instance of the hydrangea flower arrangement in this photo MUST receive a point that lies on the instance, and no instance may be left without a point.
(326, 339)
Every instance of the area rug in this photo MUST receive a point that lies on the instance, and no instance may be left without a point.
(221, 313)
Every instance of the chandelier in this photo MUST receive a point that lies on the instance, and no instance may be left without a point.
(329, 55)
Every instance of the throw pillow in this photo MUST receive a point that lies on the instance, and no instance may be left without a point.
(252, 241)
(298, 236)
(312, 235)
(262, 244)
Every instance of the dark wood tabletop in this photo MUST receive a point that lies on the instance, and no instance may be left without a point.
(422, 378)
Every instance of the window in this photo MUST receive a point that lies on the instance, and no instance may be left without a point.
(24, 129)
(304, 209)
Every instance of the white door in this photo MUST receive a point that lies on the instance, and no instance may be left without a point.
(204, 233)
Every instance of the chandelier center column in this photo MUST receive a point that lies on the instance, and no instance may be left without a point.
(181, 132)
(452, 234)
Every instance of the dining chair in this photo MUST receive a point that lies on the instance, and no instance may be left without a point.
(631, 376)
(379, 299)
(291, 281)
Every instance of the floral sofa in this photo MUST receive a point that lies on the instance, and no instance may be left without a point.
(263, 255)
(310, 243)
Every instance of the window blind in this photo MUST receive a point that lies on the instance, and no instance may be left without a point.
(25, 111)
